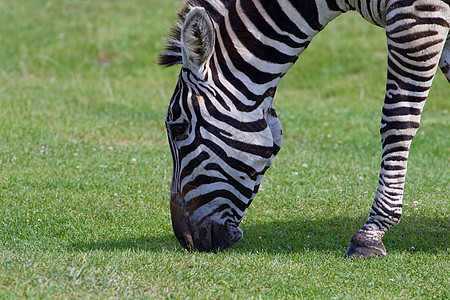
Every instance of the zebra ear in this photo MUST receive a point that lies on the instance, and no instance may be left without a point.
(197, 38)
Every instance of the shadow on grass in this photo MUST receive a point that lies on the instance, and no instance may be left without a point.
(334, 235)
(145, 243)
(324, 235)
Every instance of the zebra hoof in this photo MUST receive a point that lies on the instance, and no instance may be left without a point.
(363, 247)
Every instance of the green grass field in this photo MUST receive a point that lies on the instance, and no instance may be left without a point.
(85, 168)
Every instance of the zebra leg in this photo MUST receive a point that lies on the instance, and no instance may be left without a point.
(444, 63)
(412, 63)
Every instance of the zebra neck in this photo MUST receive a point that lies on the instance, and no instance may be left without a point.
(258, 41)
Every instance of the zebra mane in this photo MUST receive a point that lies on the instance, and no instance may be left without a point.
(172, 51)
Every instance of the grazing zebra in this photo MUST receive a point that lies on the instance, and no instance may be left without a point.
(223, 130)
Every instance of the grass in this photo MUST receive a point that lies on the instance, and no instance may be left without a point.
(85, 168)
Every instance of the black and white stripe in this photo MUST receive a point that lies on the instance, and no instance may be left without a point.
(224, 132)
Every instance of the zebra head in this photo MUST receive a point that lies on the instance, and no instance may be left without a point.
(221, 141)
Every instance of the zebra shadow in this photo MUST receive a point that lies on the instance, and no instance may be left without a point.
(330, 235)
(145, 243)
(334, 234)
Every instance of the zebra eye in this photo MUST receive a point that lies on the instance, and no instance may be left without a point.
(178, 130)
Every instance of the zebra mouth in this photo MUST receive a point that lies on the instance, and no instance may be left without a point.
(223, 236)
(210, 238)
(213, 247)
(205, 237)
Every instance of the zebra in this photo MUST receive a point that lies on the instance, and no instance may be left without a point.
(223, 130)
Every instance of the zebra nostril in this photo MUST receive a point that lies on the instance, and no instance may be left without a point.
(181, 239)
(181, 227)
(185, 240)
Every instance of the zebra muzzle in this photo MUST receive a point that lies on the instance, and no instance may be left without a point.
(205, 237)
